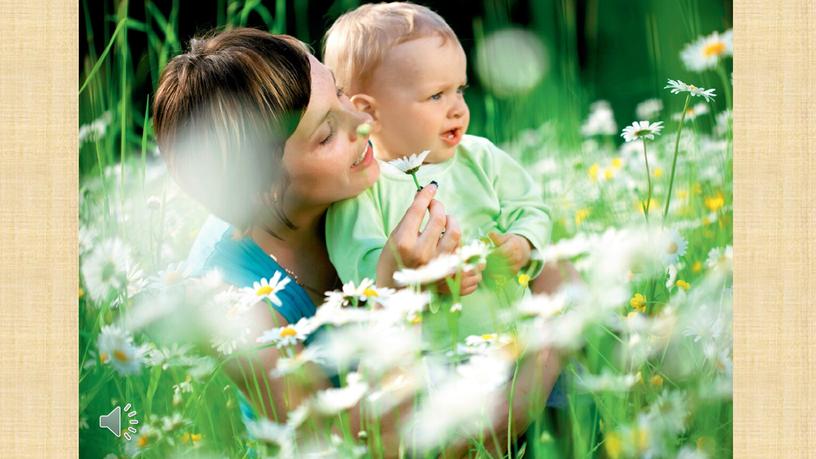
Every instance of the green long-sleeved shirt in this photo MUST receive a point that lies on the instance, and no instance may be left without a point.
(481, 186)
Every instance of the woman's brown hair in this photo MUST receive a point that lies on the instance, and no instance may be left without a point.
(222, 113)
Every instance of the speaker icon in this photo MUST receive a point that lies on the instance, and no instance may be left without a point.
(113, 421)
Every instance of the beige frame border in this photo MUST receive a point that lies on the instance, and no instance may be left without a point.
(38, 247)
(774, 223)
(773, 171)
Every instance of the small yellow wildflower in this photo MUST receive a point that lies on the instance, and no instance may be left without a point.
(682, 193)
(617, 162)
(658, 172)
(370, 293)
(640, 204)
(81, 292)
(415, 320)
(524, 279)
(683, 284)
(593, 171)
(656, 381)
(714, 202)
(613, 445)
(697, 267)
(638, 302)
(142, 441)
(190, 438)
(609, 174)
(581, 215)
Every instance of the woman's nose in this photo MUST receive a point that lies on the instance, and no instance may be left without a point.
(358, 119)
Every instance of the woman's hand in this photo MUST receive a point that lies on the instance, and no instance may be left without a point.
(408, 247)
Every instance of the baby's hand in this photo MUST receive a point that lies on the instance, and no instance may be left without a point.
(517, 249)
(469, 282)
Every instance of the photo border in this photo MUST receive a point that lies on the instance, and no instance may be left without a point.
(774, 221)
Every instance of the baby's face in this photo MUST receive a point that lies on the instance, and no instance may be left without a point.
(420, 105)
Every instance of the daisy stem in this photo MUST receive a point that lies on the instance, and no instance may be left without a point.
(674, 161)
(649, 183)
(725, 82)
(416, 182)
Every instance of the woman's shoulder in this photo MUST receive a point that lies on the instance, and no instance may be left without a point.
(242, 263)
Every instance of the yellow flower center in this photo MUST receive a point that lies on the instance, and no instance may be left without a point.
(524, 280)
(104, 357)
(683, 284)
(489, 336)
(143, 441)
(673, 248)
(287, 332)
(264, 290)
(656, 381)
(120, 356)
(714, 49)
(370, 293)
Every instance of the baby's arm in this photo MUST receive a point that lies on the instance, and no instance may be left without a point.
(523, 213)
(355, 237)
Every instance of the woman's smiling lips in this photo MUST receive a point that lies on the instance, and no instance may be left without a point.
(452, 136)
(366, 157)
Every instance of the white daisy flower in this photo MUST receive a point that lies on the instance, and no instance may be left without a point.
(438, 269)
(705, 52)
(601, 120)
(288, 335)
(363, 292)
(269, 288)
(720, 257)
(649, 109)
(641, 130)
(692, 112)
(116, 348)
(675, 247)
(105, 269)
(173, 274)
(670, 411)
(332, 401)
(410, 164)
(677, 86)
(473, 254)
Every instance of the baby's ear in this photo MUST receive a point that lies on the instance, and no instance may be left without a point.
(366, 103)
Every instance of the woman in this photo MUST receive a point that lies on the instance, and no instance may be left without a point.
(253, 127)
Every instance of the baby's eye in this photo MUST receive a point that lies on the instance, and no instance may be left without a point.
(436, 96)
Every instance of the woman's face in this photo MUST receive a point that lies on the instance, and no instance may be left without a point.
(325, 158)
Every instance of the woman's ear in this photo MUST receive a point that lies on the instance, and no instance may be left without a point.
(368, 104)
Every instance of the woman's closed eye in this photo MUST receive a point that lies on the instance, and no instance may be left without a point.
(329, 136)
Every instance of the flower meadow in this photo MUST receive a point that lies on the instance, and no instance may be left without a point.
(641, 205)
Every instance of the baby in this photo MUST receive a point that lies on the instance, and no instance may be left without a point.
(402, 64)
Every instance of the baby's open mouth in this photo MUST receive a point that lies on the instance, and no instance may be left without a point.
(452, 136)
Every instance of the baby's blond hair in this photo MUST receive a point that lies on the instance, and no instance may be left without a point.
(357, 41)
